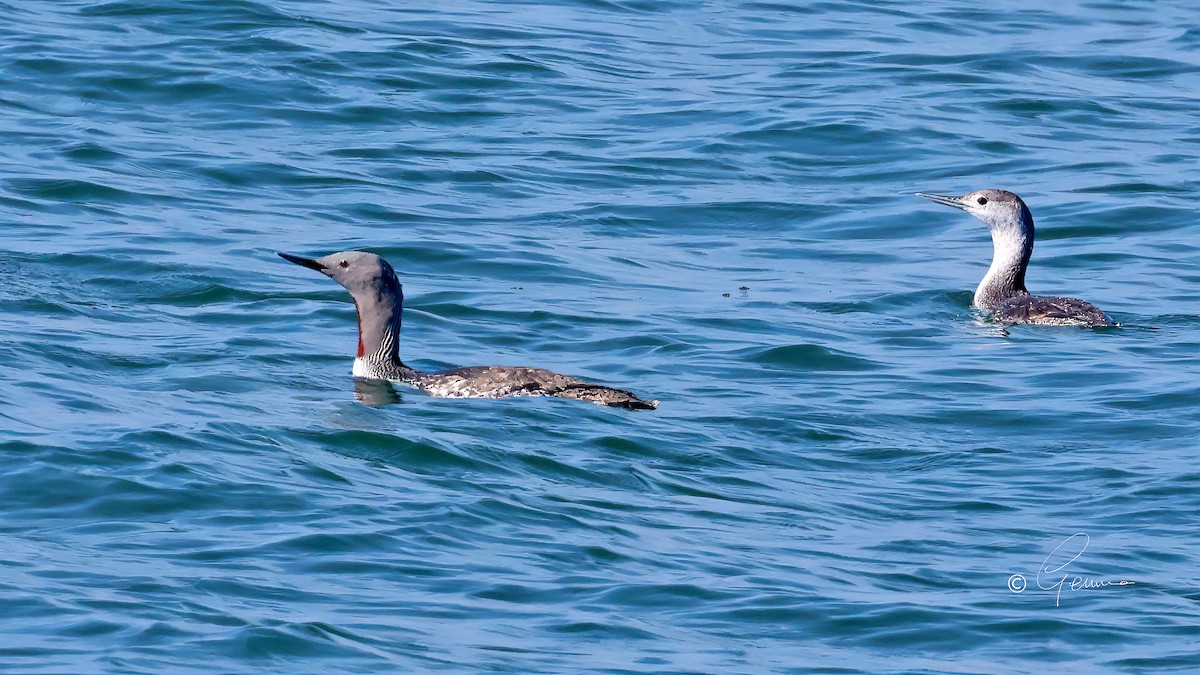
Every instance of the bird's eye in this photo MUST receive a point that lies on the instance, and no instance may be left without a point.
(981, 200)
(343, 264)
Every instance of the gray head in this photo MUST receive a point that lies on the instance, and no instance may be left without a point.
(377, 295)
(365, 275)
(998, 209)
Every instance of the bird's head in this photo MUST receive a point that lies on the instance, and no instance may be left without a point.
(998, 209)
(361, 273)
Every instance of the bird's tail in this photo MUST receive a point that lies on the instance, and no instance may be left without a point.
(602, 395)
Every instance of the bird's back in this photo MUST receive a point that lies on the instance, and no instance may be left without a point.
(505, 381)
(1052, 311)
(492, 381)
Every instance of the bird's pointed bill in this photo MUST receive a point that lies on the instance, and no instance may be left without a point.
(947, 200)
(303, 262)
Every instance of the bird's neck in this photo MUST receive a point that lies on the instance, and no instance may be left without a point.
(1005, 279)
(379, 313)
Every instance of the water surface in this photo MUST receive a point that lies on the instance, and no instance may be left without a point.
(709, 204)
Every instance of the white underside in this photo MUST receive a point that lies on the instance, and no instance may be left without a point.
(360, 368)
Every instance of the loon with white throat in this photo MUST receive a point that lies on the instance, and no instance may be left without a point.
(1002, 290)
(379, 300)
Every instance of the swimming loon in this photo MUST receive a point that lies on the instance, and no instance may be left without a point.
(1002, 290)
(379, 300)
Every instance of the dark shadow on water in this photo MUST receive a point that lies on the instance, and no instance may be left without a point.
(376, 393)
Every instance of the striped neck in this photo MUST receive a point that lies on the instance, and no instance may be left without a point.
(379, 308)
(382, 363)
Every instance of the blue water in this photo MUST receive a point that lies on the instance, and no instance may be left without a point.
(706, 203)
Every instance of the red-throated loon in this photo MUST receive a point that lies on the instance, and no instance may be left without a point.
(379, 300)
(1002, 290)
